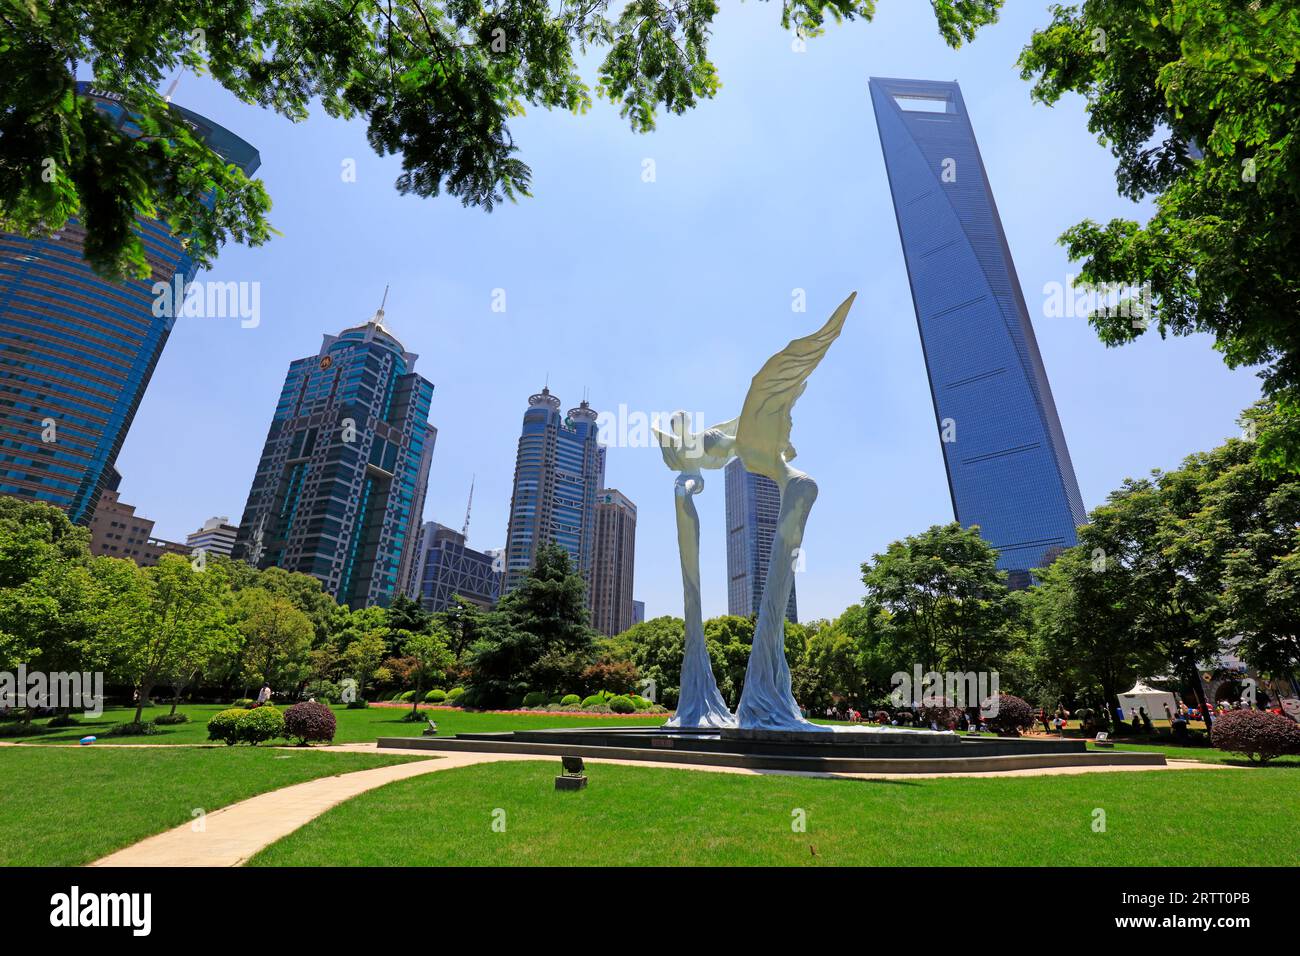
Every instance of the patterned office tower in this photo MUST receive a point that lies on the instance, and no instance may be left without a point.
(444, 567)
(753, 504)
(340, 486)
(557, 474)
(614, 563)
(76, 350)
(1008, 468)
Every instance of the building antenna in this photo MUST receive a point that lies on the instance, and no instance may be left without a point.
(464, 532)
(167, 97)
(379, 316)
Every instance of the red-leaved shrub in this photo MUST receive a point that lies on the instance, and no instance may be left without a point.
(1259, 735)
(1013, 715)
(308, 721)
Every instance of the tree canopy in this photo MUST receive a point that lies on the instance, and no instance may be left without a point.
(435, 81)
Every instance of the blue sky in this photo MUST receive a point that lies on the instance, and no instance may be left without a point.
(672, 294)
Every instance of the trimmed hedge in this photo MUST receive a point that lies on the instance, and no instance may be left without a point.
(571, 700)
(620, 704)
(455, 693)
(435, 696)
(1257, 734)
(165, 720)
(223, 723)
(307, 721)
(593, 700)
(244, 703)
(534, 698)
(264, 723)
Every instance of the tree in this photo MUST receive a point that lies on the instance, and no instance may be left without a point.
(538, 638)
(160, 621)
(278, 635)
(363, 656)
(436, 81)
(430, 657)
(656, 647)
(1199, 102)
(462, 621)
(946, 600)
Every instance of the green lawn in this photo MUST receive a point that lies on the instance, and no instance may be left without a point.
(656, 816)
(61, 807)
(354, 726)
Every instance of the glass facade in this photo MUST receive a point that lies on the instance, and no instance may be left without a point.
(558, 469)
(445, 568)
(76, 350)
(1009, 470)
(340, 487)
(753, 506)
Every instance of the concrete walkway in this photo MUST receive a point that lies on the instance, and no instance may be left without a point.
(233, 834)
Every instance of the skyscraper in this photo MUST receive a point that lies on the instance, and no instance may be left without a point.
(1009, 470)
(753, 504)
(557, 475)
(340, 486)
(445, 567)
(76, 350)
(613, 563)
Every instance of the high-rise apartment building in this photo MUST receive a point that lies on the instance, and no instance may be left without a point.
(612, 610)
(557, 475)
(339, 489)
(753, 505)
(1009, 470)
(217, 536)
(76, 350)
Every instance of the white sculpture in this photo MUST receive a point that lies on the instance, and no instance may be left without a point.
(760, 438)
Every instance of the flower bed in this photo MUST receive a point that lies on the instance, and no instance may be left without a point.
(406, 705)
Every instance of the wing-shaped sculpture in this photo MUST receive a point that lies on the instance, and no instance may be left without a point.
(763, 432)
(687, 451)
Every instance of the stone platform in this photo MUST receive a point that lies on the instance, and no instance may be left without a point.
(843, 750)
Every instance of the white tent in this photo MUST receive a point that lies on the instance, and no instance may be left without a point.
(1144, 695)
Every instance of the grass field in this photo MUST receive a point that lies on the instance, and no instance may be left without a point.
(656, 816)
(354, 726)
(61, 807)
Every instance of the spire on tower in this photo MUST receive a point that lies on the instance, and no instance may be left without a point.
(464, 532)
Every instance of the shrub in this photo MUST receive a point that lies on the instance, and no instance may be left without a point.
(18, 729)
(306, 722)
(64, 720)
(621, 705)
(555, 698)
(357, 705)
(264, 723)
(435, 696)
(166, 720)
(534, 698)
(131, 729)
(1013, 716)
(881, 717)
(244, 703)
(571, 700)
(222, 725)
(1257, 734)
(455, 693)
(597, 709)
(593, 700)
(640, 703)
(406, 696)
(325, 691)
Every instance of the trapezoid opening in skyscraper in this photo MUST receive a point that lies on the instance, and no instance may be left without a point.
(1009, 470)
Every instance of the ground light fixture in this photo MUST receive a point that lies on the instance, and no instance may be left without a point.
(574, 776)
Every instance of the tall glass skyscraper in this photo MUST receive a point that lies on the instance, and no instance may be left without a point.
(340, 486)
(558, 470)
(76, 350)
(753, 505)
(1009, 470)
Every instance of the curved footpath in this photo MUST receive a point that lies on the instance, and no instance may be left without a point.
(233, 834)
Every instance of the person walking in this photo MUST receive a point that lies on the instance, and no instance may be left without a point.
(264, 694)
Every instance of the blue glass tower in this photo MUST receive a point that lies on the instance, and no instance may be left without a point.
(340, 486)
(77, 350)
(558, 470)
(1008, 467)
